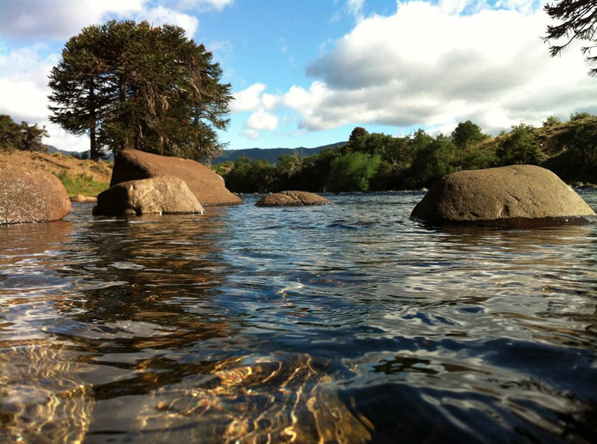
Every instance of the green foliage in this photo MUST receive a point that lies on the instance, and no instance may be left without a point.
(21, 137)
(223, 168)
(288, 170)
(434, 159)
(551, 121)
(581, 142)
(478, 159)
(382, 162)
(520, 147)
(581, 115)
(132, 85)
(249, 176)
(352, 172)
(81, 184)
(357, 133)
(316, 170)
(9, 132)
(578, 146)
(467, 134)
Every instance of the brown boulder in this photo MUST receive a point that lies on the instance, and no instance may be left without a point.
(158, 195)
(31, 196)
(517, 195)
(207, 186)
(292, 199)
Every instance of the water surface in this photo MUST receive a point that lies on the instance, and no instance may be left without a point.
(347, 323)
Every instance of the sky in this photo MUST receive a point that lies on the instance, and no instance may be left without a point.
(305, 73)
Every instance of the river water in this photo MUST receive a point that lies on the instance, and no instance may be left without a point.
(347, 323)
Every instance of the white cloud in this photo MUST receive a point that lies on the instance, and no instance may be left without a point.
(251, 134)
(58, 19)
(24, 90)
(428, 65)
(262, 120)
(27, 99)
(160, 15)
(248, 99)
(269, 101)
(61, 19)
(218, 5)
(253, 98)
(23, 85)
(355, 8)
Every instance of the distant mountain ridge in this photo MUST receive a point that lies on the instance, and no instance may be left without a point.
(270, 154)
(53, 149)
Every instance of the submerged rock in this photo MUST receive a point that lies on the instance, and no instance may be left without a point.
(292, 199)
(159, 195)
(513, 196)
(31, 196)
(207, 186)
(280, 398)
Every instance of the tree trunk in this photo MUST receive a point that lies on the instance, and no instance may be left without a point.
(93, 153)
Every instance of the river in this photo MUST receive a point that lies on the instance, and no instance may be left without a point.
(347, 323)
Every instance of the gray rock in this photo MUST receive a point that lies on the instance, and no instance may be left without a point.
(518, 195)
(292, 199)
(31, 196)
(158, 195)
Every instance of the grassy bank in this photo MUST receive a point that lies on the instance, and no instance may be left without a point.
(81, 184)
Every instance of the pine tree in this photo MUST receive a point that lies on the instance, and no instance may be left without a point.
(578, 20)
(132, 85)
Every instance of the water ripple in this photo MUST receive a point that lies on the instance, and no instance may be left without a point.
(343, 323)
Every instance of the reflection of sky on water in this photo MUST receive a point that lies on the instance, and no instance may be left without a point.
(454, 332)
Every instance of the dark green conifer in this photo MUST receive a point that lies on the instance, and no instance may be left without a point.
(132, 85)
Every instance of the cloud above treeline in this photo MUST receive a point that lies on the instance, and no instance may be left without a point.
(425, 65)
(433, 65)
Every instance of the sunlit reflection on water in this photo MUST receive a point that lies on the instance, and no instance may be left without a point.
(347, 323)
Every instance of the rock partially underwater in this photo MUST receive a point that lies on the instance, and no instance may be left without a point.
(159, 195)
(512, 196)
(292, 199)
(207, 186)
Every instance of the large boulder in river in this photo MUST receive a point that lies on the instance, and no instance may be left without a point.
(31, 196)
(513, 196)
(207, 186)
(292, 199)
(158, 195)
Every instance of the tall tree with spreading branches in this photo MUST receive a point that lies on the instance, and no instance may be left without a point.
(578, 21)
(132, 85)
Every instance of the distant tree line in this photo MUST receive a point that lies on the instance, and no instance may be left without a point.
(21, 136)
(375, 162)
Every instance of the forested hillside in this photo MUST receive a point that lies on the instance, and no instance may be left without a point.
(382, 162)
